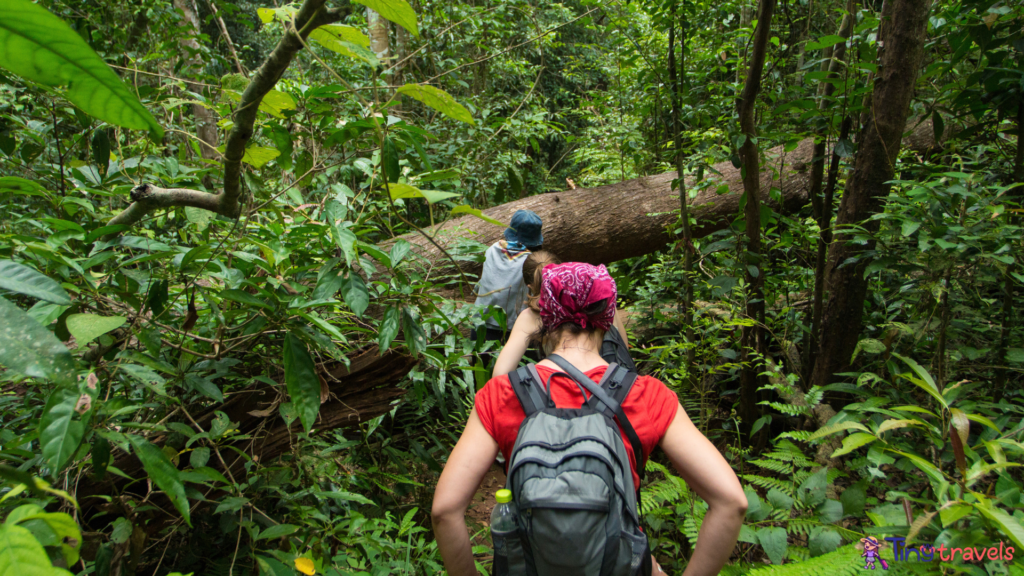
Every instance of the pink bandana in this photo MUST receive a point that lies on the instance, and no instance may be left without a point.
(568, 289)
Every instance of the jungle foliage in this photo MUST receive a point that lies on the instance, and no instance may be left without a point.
(217, 355)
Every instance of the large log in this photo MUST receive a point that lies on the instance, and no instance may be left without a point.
(632, 218)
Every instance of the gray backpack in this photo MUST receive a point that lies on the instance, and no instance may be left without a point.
(571, 481)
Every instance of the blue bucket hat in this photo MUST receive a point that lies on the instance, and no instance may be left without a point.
(525, 229)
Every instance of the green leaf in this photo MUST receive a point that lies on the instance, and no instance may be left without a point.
(345, 33)
(275, 103)
(388, 329)
(24, 280)
(199, 457)
(774, 542)
(854, 441)
(346, 239)
(337, 41)
(812, 491)
(823, 542)
(272, 567)
(22, 555)
(87, 327)
(65, 529)
(147, 376)
(446, 174)
(415, 338)
(301, 380)
(438, 100)
(354, 291)
(397, 11)
(399, 251)
(243, 297)
(466, 209)
(1007, 524)
(60, 433)
(201, 218)
(1015, 355)
(16, 185)
(924, 380)
(402, 190)
(162, 472)
(825, 42)
(100, 145)
(924, 466)
(122, 531)
(277, 531)
(257, 156)
(853, 500)
(779, 499)
(389, 157)
(845, 148)
(39, 46)
(28, 348)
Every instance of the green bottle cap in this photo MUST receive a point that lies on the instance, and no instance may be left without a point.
(503, 496)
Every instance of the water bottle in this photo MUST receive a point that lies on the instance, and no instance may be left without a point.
(503, 530)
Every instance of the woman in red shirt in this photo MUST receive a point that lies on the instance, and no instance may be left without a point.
(577, 305)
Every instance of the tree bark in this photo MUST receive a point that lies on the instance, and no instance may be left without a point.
(752, 337)
(904, 22)
(676, 81)
(378, 29)
(206, 122)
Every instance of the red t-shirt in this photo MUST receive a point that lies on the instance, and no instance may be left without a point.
(650, 408)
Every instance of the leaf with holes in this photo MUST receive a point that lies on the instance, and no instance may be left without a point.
(397, 11)
(39, 46)
(59, 432)
(163, 473)
(19, 278)
(28, 348)
(438, 100)
(301, 380)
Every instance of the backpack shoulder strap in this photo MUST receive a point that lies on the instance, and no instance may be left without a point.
(602, 393)
(526, 384)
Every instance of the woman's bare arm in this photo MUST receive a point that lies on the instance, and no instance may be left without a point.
(706, 471)
(526, 324)
(473, 455)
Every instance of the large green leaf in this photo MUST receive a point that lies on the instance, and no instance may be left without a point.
(59, 432)
(415, 338)
(438, 100)
(397, 11)
(1007, 524)
(301, 380)
(24, 280)
(924, 379)
(87, 327)
(39, 46)
(774, 542)
(345, 40)
(354, 291)
(28, 348)
(467, 209)
(402, 190)
(854, 441)
(162, 472)
(65, 529)
(22, 555)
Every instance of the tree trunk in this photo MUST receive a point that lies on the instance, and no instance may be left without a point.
(676, 82)
(904, 22)
(206, 123)
(752, 337)
(378, 28)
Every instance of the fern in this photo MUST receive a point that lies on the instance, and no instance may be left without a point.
(776, 466)
(801, 526)
(768, 483)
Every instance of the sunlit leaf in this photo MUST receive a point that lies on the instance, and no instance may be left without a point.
(402, 190)
(397, 11)
(467, 209)
(346, 41)
(854, 441)
(87, 327)
(438, 100)
(22, 555)
(39, 46)
(275, 103)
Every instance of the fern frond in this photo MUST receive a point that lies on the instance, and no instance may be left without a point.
(798, 435)
(801, 526)
(769, 483)
(776, 466)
